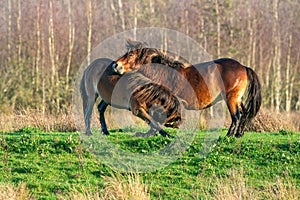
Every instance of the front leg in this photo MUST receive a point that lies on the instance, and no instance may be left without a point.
(151, 132)
(101, 108)
(153, 124)
(164, 133)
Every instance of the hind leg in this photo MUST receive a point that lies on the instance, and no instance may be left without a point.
(87, 110)
(235, 115)
(101, 108)
(242, 124)
(234, 122)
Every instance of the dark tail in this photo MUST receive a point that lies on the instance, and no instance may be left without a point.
(253, 99)
(83, 92)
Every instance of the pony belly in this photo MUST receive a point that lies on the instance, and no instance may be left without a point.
(203, 102)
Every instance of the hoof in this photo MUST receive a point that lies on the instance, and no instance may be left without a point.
(229, 134)
(164, 133)
(105, 132)
(88, 133)
(238, 135)
(139, 134)
(144, 135)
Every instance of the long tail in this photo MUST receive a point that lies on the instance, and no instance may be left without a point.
(83, 92)
(253, 99)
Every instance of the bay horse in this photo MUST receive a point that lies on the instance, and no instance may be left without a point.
(221, 79)
(153, 103)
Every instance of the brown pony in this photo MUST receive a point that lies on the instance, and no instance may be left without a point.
(210, 82)
(153, 103)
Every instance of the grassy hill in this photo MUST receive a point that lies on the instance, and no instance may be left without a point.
(55, 165)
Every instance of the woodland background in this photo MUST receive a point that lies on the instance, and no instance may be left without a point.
(43, 43)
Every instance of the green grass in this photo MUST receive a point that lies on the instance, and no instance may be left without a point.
(53, 164)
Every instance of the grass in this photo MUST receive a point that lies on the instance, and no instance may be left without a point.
(55, 165)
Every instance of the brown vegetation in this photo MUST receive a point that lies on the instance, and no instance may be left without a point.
(116, 187)
(43, 43)
(265, 121)
(47, 122)
(270, 121)
(9, 192)
(235, 186)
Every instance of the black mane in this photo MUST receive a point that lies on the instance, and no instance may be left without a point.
(152, 55)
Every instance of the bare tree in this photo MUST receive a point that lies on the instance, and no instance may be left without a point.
(51, 41)
(258, 34)
(38, 48)
(290, 76)
(89, 29)
(9, 30)
(121, 11)
(218, 28)
(71, 42)
(19, 32)
(277, 57)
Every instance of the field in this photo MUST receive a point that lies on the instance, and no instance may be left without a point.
(55, 165)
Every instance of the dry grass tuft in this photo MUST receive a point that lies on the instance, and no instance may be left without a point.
(83, 194)
(9, 192)
(120, 187)
(233, 187)
(116, 187)
(265, 121)
(46, 122)
(282, 189)
(270, 121)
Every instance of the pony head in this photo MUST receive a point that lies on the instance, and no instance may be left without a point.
(135, 56)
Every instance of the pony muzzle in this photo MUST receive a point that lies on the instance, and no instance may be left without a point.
(118, 68)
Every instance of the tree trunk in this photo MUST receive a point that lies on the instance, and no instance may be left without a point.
(151, 6)
(113, 8)
(121, 11)
(135, 20)
(71, 43)
(277, 57)
(51, 41)
(43, 76)
(289, 83)
(9, 28)
(52, 51)
(90, 30)
(218, 28)
(19, 32)
(38, 49)
(253, 60)
(250, 30)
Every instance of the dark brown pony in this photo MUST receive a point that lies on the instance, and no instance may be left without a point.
(153, 103)
(211, 82)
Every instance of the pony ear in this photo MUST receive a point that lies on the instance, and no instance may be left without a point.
(134, 45)
(183, 102)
